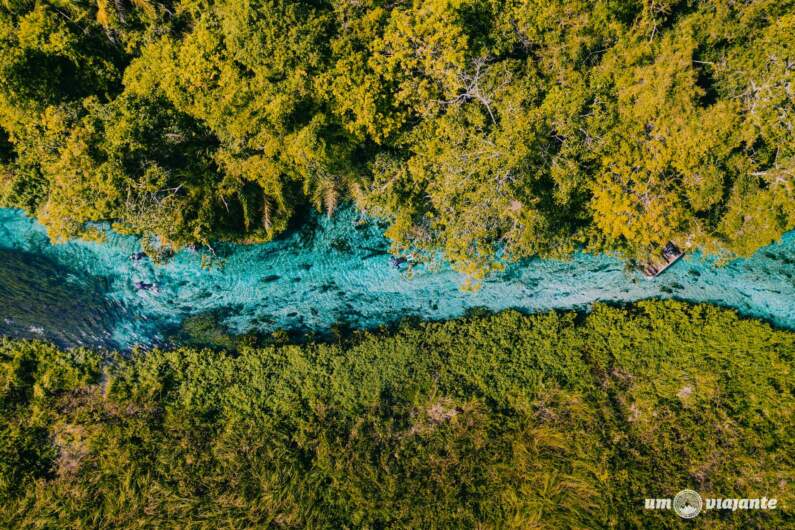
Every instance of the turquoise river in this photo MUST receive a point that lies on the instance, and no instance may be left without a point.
(324, 273)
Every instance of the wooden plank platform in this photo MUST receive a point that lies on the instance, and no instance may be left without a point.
(669, 255)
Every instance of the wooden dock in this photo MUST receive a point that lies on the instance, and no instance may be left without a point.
(658, 264)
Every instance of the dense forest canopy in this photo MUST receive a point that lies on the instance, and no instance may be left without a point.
(508, 421)
(483, 128)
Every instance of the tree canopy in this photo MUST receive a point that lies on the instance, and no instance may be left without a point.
(487, 129)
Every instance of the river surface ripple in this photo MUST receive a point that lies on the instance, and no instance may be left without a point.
(329, 271)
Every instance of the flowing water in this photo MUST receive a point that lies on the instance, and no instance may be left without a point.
(325, 273)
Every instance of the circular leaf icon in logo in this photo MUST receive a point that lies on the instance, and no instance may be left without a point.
(687, 504)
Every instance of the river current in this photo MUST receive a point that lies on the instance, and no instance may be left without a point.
(325, 273)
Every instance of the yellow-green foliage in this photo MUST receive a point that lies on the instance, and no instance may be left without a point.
(506, 421)
(481, 128)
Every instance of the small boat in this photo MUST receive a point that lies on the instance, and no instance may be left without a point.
(658, 264)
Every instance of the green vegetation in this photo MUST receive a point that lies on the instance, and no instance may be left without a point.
(545, 421)
(472, 126)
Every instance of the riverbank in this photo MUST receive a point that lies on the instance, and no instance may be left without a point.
(555, 420)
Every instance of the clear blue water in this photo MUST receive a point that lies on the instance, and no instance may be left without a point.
(329, 271)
